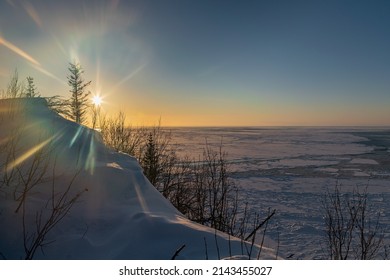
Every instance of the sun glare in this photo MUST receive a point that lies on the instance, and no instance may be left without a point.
(97, 100)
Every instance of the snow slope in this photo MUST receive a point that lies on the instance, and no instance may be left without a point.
(117, 213)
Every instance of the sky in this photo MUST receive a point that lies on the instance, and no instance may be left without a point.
(209, 63)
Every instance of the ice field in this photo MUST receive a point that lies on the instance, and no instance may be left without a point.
(290, 170)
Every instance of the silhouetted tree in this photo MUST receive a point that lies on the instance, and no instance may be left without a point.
(353, 230)
(31, 89)
(79, 99)
(14, 87)
(150, 160)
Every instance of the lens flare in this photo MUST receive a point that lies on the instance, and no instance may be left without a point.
(18, 51)
(32, 12)
(30, 153)
(97, 100)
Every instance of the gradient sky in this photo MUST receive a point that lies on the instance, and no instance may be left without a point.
(209, 63)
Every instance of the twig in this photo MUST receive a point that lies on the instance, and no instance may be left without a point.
(216, 243)
(85, 232)
(262, 240)
(277, 249)
(178, 251)
(260, 225)
(205, 245)
(230, 247)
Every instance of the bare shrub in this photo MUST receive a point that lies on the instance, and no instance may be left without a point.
(200, 189)
(353, 230)
(217, 194)
(120, 137)
(205, 193)
(30, 174)
(24, 172)
(58, 205)
(14, 87)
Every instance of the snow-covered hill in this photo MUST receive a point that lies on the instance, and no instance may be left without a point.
(65, 194)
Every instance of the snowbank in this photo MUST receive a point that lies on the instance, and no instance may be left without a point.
(113, 211)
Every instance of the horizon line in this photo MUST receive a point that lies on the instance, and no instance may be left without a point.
(272, 126)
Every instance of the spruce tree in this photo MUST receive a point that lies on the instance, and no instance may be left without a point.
(31, 90)
(150, 160)
(79, 99)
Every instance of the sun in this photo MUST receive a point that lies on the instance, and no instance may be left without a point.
(96, 100)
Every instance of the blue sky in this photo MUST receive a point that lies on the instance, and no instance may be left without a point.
(210, 62)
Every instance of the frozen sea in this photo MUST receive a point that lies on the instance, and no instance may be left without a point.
(290, 169)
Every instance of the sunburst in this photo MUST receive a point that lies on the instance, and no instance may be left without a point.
(97, 100)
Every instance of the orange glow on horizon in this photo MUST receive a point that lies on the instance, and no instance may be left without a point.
(197, 118)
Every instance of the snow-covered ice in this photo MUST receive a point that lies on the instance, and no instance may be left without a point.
(290, 169)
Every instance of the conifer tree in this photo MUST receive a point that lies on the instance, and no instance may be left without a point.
(150, 160)
(31, 89)
(79, 99)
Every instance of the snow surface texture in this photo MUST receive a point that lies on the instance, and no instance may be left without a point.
(291, 168)
(118, 214)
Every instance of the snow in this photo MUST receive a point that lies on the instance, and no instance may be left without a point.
(363, 161)
(119, 214)
(291, 169)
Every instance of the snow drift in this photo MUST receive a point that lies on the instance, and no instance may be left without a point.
(109, 209)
